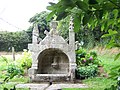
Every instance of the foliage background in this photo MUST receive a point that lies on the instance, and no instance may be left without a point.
(18, 40)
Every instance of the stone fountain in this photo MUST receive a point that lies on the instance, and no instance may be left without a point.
(52, 58)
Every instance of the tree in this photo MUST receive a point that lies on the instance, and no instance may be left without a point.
(104, 14)
(19, 40)
(40, 20)
(91, 38)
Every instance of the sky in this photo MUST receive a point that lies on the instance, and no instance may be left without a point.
(15, 14)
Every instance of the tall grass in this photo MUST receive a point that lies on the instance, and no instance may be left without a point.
(107, 57)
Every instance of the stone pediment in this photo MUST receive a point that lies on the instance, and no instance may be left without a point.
(53, 36)
(53, 39)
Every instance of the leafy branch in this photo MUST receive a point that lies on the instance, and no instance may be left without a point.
(114, 4)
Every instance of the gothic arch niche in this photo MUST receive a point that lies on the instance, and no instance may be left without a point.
(53, 61)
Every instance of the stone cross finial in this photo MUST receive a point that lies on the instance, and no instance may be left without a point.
(53, 25)
(71, 24)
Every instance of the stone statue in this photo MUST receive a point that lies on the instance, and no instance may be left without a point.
(55, 62)
(53, 26)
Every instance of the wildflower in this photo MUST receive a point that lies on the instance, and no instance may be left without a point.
(91, 58)
(84, 60)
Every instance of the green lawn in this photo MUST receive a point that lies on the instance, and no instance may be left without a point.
(97, 83)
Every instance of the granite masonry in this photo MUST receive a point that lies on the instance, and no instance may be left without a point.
(53, 58)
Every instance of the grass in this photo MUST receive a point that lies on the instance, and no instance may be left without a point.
(108, 62)
(96, 83)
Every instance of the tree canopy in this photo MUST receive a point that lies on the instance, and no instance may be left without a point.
(92, 14)
(40, 20)
(19, 40)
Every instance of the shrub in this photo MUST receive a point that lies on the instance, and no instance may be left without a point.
(25, 61)
(84, 58)
(87, 71)
(87, 64)
(16, 68)
(12, 68)
(12, 71)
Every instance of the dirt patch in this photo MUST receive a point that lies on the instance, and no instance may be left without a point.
(9, 53)
(103, 50)
(101, 72)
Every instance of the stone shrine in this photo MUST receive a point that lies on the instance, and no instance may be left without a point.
(53, 59)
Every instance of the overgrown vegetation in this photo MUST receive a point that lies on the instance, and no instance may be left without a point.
(26, 60)
(14, 69)
(87, 63)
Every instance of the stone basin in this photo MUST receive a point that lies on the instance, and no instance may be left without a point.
(51, 77)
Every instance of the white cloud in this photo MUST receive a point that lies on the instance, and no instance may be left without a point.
(16, 13)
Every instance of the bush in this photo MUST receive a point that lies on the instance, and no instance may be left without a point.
(18, 67)
(87, 71)
(26, 60)
(14, 69)
(87, 64)
(84, 58)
